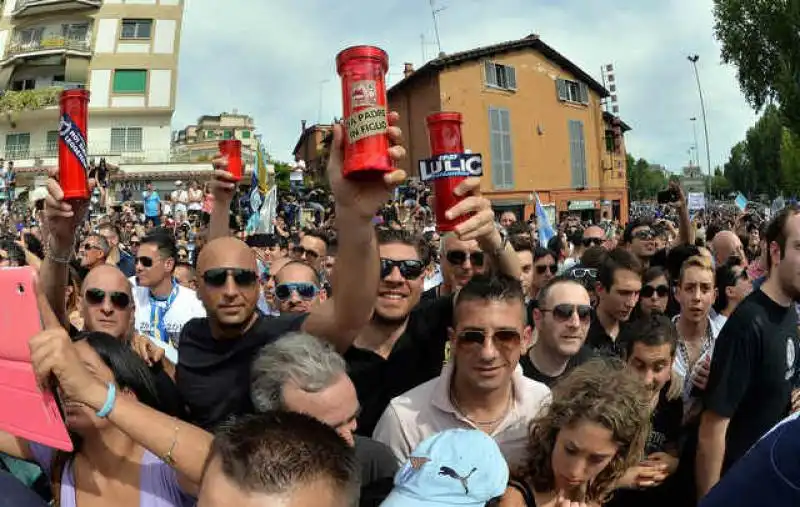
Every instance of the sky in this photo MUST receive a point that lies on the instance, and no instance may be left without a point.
(275, 60)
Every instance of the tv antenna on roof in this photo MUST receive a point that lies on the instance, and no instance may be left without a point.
(435, 14)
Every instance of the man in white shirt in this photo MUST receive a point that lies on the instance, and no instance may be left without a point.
(162, 305)
(180, 201)
(482, 386)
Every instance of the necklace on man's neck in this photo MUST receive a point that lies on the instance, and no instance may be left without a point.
(482, 424)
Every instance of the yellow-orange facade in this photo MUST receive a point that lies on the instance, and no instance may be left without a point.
(536, 119)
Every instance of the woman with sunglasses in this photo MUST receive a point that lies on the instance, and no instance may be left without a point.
(129, 449)
(654, 296)
(733, 285)
(593, 431)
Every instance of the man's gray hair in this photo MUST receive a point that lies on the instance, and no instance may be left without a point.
(102, 242)
(304, 360)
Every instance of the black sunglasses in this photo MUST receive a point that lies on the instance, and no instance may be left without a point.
(648, 291)
(300, 252)
(409, 269)
(542, 268)
(216, 277)
(305, 290)
(145, 261)
(95, 297)
(587, 242)
(89, 246)
(644, 234)
(505, 338)
(459, 257)
(566, 311)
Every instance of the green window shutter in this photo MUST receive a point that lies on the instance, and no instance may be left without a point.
(130, 81)
(245, 134)
(228, 134)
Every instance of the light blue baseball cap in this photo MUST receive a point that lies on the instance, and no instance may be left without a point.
(454, 467)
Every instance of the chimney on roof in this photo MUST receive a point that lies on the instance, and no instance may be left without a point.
(442, 54)
(408, 69)
(302, 126)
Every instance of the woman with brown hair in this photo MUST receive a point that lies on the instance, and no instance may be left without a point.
(593, 430)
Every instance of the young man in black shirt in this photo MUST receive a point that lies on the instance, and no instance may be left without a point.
(754, 362)
(562, 321)
(619, 280)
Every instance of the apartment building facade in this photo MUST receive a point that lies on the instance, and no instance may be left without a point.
(124, 51)
(200, 142)
(536, 118)
(312, 150)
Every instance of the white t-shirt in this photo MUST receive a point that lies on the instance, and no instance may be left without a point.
(184, 308)
(180, 199)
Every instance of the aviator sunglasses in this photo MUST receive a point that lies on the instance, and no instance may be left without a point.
(305, 290)
(565, 311)
(216, 277)
(119, 300)
(459, 257)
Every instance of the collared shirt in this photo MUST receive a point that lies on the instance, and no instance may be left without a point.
(426, 410)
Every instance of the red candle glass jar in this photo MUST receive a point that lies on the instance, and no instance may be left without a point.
(232, 151)
(73, 159)
(444, 134)
(366, 145)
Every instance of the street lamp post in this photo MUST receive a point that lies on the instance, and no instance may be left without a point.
(693, 59)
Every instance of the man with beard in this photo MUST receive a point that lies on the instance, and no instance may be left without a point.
(404, 345)
(619, 280)
(297, 288)
(754, 365)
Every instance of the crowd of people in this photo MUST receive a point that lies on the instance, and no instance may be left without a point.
(358, 356)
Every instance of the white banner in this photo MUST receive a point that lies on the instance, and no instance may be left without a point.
(697, 200)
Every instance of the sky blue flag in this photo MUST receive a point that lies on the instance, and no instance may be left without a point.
(543, 224)
(741, 201)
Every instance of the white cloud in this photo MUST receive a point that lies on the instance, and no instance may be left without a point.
(270, 58)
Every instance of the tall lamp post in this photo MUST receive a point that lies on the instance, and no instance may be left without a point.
(693, 119)
(693, 59)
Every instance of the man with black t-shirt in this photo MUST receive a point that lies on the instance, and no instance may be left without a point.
(213, 373)
(754, 362)
(562, 321)
(619, 281)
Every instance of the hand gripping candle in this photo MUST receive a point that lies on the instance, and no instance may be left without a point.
(448, 165)
(366, 147)
(232, 150)
(73, 160)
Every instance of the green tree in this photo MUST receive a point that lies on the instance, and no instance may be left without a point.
(790, 163)
(644, 181)
(762, 39)
(282, 172)
(720, 186)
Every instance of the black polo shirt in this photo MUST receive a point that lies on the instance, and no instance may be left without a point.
(417, 356)
(600, 341)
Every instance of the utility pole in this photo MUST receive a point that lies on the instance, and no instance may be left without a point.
(693, 119)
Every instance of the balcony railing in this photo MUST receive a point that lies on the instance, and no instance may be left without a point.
(29, 100)
(50, 43)
(52, 5)
(112, 154)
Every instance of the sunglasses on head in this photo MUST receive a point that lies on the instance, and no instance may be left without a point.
(459, 257)
(565, 311)
(216, 277)
(409, 269)
(309, 254)
(648, 291)
(587, 242)
(644, 234)
(119, 300)
(305, 290)
(505, 338)
(544, 267)
(146, 262)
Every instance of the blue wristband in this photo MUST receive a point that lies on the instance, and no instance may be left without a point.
(111, 397)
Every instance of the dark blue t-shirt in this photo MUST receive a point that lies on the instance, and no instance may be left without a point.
(768, 475)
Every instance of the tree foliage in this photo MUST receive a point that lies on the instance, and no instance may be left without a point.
(762, 38)
(768, 160)
(644, 181)
(282, 172)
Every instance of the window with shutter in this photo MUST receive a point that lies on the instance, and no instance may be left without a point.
(500, 76)
(584, 91)
(491, 74)
(577, 154)
(511, 77)
(561, 89)
(501, 153)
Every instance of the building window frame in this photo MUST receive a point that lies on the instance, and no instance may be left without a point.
(572, 92)
(18, 145)
(125, 82)
(579, 177)
(499, 76)
(136, 29)
(127, 139)
(502, 153)
(51, 143)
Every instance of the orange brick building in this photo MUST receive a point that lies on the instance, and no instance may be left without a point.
(536, 118)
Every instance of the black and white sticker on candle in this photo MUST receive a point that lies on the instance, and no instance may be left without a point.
(453, 165)
(72, 136)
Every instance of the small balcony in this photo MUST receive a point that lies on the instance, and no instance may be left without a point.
(47, 47)
(40, 103)
(38, 7)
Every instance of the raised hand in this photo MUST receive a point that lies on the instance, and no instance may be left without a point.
(364, 198)
(62, 218)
